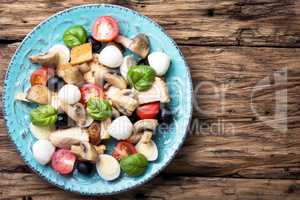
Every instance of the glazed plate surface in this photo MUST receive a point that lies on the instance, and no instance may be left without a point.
(49, 32)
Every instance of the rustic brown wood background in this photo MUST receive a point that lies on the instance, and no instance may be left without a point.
(230, 46)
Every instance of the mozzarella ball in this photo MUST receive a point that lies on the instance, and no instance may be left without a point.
(111, 56)
(42, 151)
(160, 62)
(69, 94)
(121, 128)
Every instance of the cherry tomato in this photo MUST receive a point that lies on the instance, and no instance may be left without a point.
(123, 149)
(148, 111)
(90, 90)
(41, 76)
(63, 161)
(105, 29)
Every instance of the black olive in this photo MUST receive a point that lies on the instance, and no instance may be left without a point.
(143, 62)
(55, 83)
(165, 114)
(63, 121)
(96, 45)
(84, 167)
(133, 118)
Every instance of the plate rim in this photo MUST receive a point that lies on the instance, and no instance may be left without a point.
(190, 107)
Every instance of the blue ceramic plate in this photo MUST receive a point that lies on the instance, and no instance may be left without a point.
(49, 32)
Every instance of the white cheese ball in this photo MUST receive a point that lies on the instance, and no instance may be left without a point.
(42, 151)
(69, 94)
(111, 56)
(121, 128)
(160, 62)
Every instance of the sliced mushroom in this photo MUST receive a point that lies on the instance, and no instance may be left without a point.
(39, 94)
(149, 150)
(94, 133)
(115, 80)
(139, 44)
(115, 113)
(158, 92)
(76, 112)
(95, 68)
(85, 151)
(83, 68)
(70, 74)
(145, 124)
(124, 103)
(50, 59)
(143, 128)
(128, 62)
(104, 129)
(146, 137)
(100, 149)
(21, 96)
(65, 138)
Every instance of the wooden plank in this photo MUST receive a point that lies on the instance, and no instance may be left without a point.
(198, 22)
(164, 187)
(232, 141)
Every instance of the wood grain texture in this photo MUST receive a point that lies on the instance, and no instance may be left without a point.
(227, 138)
(164, 187)
(198, 22)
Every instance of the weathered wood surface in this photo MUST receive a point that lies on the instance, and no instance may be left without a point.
(29, 186)
(196, 22)
(234, 132)
(228, 141)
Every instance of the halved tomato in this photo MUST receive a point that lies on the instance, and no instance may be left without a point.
(90, 90)
(41, 76)
(105, 29)
(123, 149)
(148, 111)
(63, 161)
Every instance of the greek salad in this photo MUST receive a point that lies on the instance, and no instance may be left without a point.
(88, 92)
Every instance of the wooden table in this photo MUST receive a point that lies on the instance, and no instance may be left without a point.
(244, 59)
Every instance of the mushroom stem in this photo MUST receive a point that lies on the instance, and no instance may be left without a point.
(50, 59)
(85, 151)
(146, 137)
(123, 40)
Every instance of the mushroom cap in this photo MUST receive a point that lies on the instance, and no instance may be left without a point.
(140, 45)
(65, 138)
(115, 80)
(145, 124)
(108, 167)
(63, 52)
(158, 92)
(50, 59)
(85, 151)
(111, 56)
(39, 94)
(149, 150)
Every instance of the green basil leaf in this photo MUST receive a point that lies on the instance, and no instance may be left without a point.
(99, 109)
(141, 77)
(44, 115)
(74, 36)
(134, 165)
